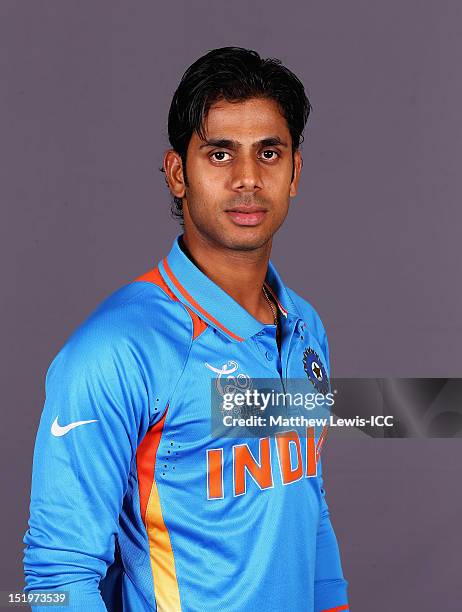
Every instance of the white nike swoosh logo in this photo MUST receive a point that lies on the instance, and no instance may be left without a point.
(57, 430)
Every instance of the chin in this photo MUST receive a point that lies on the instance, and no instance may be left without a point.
(245, 240)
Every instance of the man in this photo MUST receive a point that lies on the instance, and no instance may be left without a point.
(127, 475)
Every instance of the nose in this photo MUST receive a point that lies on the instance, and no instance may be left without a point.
(246, 174)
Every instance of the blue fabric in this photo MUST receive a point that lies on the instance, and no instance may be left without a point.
(132, 362)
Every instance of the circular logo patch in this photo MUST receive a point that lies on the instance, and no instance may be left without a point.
(315, 370)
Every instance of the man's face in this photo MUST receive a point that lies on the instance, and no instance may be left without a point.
(240, 179)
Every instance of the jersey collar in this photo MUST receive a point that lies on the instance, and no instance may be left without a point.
(194, 289)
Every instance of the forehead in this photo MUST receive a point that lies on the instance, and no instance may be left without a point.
(254, 119)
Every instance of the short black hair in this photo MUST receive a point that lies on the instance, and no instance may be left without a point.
(233, 74)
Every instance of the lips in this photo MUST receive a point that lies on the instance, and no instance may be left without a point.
(247, 215)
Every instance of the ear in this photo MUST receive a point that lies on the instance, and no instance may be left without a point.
(173, 167)
(298, 163)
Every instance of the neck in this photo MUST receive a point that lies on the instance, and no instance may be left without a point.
(240, 273)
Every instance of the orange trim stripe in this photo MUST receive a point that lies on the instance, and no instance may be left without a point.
(160, 548)
(154, 276)
(337, 609)
(198, 324)
(146, 463)
(193, 302)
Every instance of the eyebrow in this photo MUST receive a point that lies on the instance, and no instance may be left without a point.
(226, 143)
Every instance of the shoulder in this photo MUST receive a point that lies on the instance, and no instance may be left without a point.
(135, 329)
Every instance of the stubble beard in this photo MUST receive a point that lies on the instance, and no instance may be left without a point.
(239, 239)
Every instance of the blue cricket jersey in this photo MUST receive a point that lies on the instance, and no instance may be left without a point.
(134, 504)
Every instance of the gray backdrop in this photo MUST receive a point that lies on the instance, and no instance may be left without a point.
(371, 241)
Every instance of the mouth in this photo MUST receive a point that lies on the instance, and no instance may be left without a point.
(247, 215)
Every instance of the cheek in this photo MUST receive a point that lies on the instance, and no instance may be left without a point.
(203, 193)
(279, 177)
(202, 179)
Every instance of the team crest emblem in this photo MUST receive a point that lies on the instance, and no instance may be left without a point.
(315, 371)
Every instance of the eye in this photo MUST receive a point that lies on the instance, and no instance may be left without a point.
(269, 154)
(219, 156)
